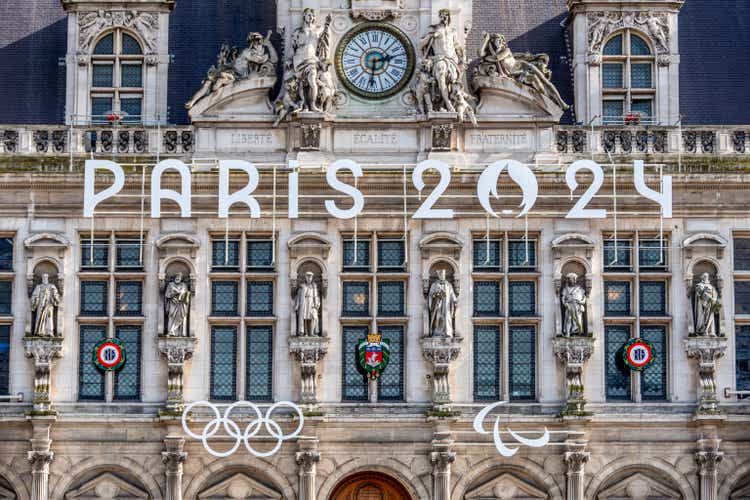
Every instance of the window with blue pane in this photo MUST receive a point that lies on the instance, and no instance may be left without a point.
(391, 298)
(94, 255)
(6, 297)
(225, 254)
(4, 359)
(6, 254)
(486, 362)
(101, 107)
(94, 298)
(128, 295)
(653, 298)
(652, 255)
(617, 255)
(128, 253)
(618, 375)
(741, 254)
(224, 298)
(259, 364)
(130, 45)
(223, 362)
(617, 298)
(522, 298)
(356, 298)
(106, 45)
(259, 298)
(641, 76)
(613, 111)
(391, 381)
(356, 255)
(354, 382)
(131, 75)
(131, 109)
(391, 255)
(638, 46)
(643, 107)
(742, 357)
(522, 362)
(613, 47)
(654, 378)
(128, 378)
(521, 255)
(612, 76)
(742, 297)
(103, 75)
(486, 298)
(90, 378)
(487, 255)
(117, 66)
(259, 255)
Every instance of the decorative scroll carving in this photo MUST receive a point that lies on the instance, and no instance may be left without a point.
(738, 141)
(10, 140)
(308, 351)
(562, 141)
(140, 141)
(92, 24)
(706, 351)
(58, 140)
(377, 10)
(708, 141)
(609, 141)
(123, 141)
(176, 352)
(660, 141)
(44, 351)
(41, 140)
(641, 141)
(603, 24)
(573, 352)
(579, 141)
(626, 141)
(441, 352)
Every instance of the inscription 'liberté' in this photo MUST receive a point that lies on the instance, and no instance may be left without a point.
(251, 139)
(519, 173)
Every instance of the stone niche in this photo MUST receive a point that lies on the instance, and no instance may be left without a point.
(704, 253)
(45, 254)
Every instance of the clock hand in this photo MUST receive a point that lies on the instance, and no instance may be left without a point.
(372, 73)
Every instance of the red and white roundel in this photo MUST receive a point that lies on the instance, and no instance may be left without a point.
(639, 354)
(109, 355)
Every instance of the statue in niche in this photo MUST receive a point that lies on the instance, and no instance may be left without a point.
(442, 302)
(497, 61)
(311, 48)
(573, 299)
(44, 300)
(307, 307)
(706, 300)
(177, 304)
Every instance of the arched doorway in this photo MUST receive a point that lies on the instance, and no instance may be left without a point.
(369, 486)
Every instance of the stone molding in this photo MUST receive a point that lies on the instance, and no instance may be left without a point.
(706, 351)
(573, 352)
(176, 351)
(308, 351)
(441, 352)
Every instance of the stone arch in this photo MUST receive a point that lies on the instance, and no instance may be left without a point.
(734, 479)
(15, 482)
(385, 465)
(226, 466)
(650, 466)
(692, 239)
(636, 30)
(110, 30)
(520, 467)
(93, 467)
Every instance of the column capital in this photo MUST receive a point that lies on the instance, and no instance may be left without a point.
(576, 460)
(40, 460)
(173, 459)
(441, 460)
(307, 460)
(708, 461)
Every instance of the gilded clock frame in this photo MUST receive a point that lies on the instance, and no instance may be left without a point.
(391, 30)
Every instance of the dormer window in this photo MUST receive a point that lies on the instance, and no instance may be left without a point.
(117, 79)
(628, 91)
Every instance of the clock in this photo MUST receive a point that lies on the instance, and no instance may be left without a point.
(375, 60)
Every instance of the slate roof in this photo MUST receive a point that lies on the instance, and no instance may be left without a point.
(714, 49)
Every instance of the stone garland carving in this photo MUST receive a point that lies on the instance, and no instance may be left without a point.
(439, 83)
(497, 61)
(308, 79)
(574, 301)
(258, 60)
(602, 24)
(91, 24)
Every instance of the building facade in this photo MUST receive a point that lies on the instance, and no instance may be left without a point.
(212, 202)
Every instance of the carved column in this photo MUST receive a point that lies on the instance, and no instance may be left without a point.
(706, 351)
(308, 351)
(441, 473)
(441, 351)
(307, 460)
(573, 352)
(176, 351)
(44, 350)
(40, 456)
(708, 458)
(575, 459)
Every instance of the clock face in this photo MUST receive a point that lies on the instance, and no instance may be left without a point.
(375, 60)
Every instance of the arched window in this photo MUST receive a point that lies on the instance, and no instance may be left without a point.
(627, 79)
(117, 78)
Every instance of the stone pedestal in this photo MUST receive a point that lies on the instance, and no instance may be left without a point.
(176, 351)
(308, 351)
(706, 351)
(575, 459)
(307, 459)
(573, 352)
(708, 458)
(44, 350)
(441, 351)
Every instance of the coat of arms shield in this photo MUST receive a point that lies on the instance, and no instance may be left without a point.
(374, 352)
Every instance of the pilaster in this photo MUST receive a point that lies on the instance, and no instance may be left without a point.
(708, 458)
(307, 459)
(173, 458)
(575, 459)
(40, 456)
(441, 458)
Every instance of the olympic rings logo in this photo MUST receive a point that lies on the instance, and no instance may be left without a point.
(233, 430)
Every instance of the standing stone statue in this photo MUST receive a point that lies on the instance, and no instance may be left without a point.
(442, 302)
(311, 48)
(307, 307)
(447, 61)
(706, 304)
(177, 304)
(573, 298)
(44, 299)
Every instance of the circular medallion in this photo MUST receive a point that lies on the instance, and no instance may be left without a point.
(109, 355)
(638, 354)
(375, 60)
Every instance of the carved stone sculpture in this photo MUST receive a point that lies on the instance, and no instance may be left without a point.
(45, 299)
(43, 351)
(258, 60)
(706, 351)
(441, 352)
(497, 61)
(176, 351)
(439, 84)
(177, 304)
(602, 24)
(308, 351)
(307, 307)
(573, 354)
(442, 302)
(706, 300)
(573, 300)
(91, 24)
